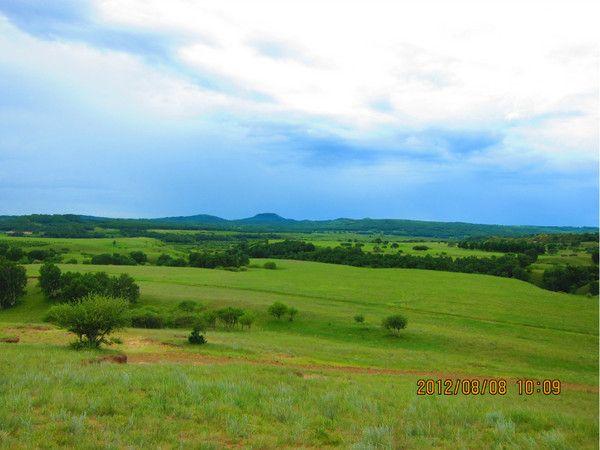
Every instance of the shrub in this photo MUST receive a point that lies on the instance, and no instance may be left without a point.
(277, 310)
(395, 323)
(247, 320)
(196, 337)
(270, 265)
(13, 280)
(114, 259)
(185, 321)
(420, 247)
(188, 306)
(124, 286)
(73, 285)
(91, 318)
(359, 318)
(49, 280)
(230, 316)
(139, 257)
(209, 318)
(292, 313)
(146, 319)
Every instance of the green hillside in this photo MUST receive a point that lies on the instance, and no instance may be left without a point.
(308, 383)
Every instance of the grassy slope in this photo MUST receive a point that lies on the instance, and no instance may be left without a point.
(459, 324)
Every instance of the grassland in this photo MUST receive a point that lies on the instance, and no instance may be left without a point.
(319, 381)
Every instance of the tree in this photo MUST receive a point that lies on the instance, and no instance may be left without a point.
(395, 323)
(278, 309)
(230, 316)
(49, 280)
(196, 337)
(124, 287)
(247, 320)
(91, 318)
(292, 313)
(270, 265)
(359, 318)
(13, 280)
(209, 318)
(139, 257)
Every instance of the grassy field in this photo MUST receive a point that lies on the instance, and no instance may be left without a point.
(83, 248)
(319, 381)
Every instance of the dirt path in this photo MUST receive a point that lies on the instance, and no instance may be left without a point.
(200, 359)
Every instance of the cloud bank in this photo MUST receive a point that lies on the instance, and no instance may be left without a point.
(463, 111)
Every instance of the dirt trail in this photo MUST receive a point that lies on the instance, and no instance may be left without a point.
(200, 359)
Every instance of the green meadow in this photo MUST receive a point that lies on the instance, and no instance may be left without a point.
(322, 380)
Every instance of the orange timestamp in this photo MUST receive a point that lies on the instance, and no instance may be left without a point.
(486, 386)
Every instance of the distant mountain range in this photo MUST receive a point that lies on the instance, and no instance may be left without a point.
(80, 226)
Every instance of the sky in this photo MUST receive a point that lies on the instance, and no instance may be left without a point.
(482, 112)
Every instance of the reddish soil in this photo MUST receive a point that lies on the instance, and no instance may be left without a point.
(196, 358)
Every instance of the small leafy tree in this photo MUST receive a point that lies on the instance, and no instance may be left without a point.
(278, 309)
(359, 318)
(196, 336)
(13, 280)
(125, 287)
(292, 313)
(91, 318)
(230, 316)
(50, 280)
(139, 257)
(188, 306)
(247, 320)
(395, 323)
(209, 318)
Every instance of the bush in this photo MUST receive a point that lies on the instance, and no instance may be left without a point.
(359, 318)
(292, 313)
(114, 259)
(146, 319)
(13, 280)
(420, 247)
(49, 280)
(270, 265)
(196, 337)
(91, 318)
(73, 285)
(395, 323)
(277, 310)
(209, 318)
(230, 316)
(139, 257)
(188, 306)
(247, 320)
(185, 321)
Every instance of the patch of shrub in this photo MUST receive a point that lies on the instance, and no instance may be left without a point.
(278, 310)
(91, 318)
(395, 323)
(292, 312)
(247, 320)
(270, 265)
(420, 247)
(230, 316)
(70, 286)
(359, 318)
(115, 259)
(196, 337)
(13, 280)
(146, 319)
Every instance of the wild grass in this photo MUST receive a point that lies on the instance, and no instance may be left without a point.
(292, 384)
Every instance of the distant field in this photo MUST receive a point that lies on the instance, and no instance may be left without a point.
(320, 381)
(83, 248)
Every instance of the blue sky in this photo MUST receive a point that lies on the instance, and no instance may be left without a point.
(462, 112)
